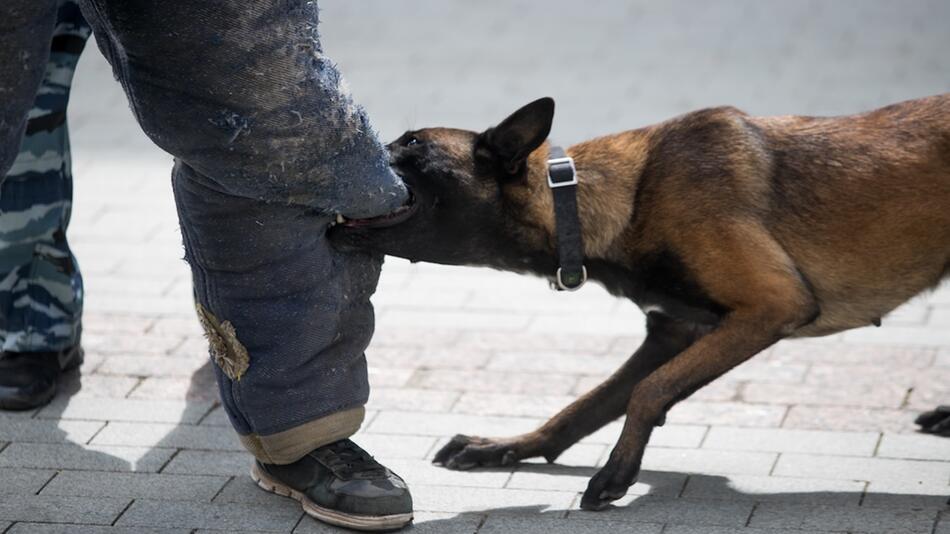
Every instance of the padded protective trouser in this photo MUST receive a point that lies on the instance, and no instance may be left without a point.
(268, 147)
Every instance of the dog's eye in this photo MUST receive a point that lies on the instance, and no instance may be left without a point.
(412, 140)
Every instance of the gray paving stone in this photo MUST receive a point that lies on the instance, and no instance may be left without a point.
(177, 388)
(569, 478)
(488, 340)
(242, 489)
(423, 523)
(23, 481)
(275, 517)
(606, 324)
(135, 485)
(538, 299)
(47, 528)
(4, 525)
(388, 377)
(174, 326)
(726, 413)
(899, 334)
(943, 357)
(806, 351)
(386, 446)
(418, 337)
(461, 320)
(494, 381)
(52, 509)
(549, 525)
(418, 472)
(484, 500)
(785, 440)
(411, 399)
(722, 389)
(511, 405)
(94, 386)
(446, 425)
(903, 494)
(434, 357)
(668, 435)
(167, 435)
(943, 524)
(914, 446)
(147, 366)
(210, 463)
(849, 518)
(91, 457)
(774, 489)
(768, 372)
(882, 395)
(555, 362)
(44, 431)
(870, 469)
(216, 417)
(708, 461)
(581, 454)
(705, 529)
(850, 419)
(103, 409)
(672, 511)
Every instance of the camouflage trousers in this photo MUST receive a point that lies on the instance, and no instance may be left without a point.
(40, 285)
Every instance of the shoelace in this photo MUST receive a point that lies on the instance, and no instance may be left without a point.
(347, 459)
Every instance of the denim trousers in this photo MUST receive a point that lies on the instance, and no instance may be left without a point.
(268, 147)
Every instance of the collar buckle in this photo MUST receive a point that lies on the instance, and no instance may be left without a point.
(561, 172)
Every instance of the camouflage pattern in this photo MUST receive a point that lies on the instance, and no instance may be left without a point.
(40, 285)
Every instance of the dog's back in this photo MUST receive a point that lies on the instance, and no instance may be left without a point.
(862, 204)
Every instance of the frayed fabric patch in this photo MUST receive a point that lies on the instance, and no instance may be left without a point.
(227, 352)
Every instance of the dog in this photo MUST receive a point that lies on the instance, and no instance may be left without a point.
(731, 232)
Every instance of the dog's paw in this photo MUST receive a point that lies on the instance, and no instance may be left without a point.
(608, 485)
(467, 452)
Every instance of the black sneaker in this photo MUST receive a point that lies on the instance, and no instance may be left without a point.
(343, 485)
(28, 379)
(935, 421)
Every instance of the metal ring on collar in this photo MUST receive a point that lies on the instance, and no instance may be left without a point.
(560, 282)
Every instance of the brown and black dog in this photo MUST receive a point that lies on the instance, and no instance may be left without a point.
(732, 232)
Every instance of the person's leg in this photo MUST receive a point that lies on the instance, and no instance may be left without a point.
(26, 27)
(287, 318)
(40, 284)
(268, 146)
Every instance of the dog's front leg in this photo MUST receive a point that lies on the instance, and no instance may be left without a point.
(741, 335)
(666, 337)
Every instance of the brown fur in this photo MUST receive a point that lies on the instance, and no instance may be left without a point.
(731, 231)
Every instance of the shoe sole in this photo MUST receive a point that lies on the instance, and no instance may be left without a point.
(333, 517)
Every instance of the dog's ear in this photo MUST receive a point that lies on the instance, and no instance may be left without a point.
(517, 136)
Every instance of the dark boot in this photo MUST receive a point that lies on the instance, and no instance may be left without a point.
(935, 421)
(343, 485)
(28, 379)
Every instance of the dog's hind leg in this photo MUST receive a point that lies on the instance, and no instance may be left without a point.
(665, 339)
(741, 335)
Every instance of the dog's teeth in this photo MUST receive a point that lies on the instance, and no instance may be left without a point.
(340, 219)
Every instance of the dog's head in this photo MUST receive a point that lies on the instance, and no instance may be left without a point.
(469, 195)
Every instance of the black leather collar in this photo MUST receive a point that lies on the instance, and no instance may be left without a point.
(562, 179)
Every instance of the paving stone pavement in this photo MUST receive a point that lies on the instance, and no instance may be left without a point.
(811, 436)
